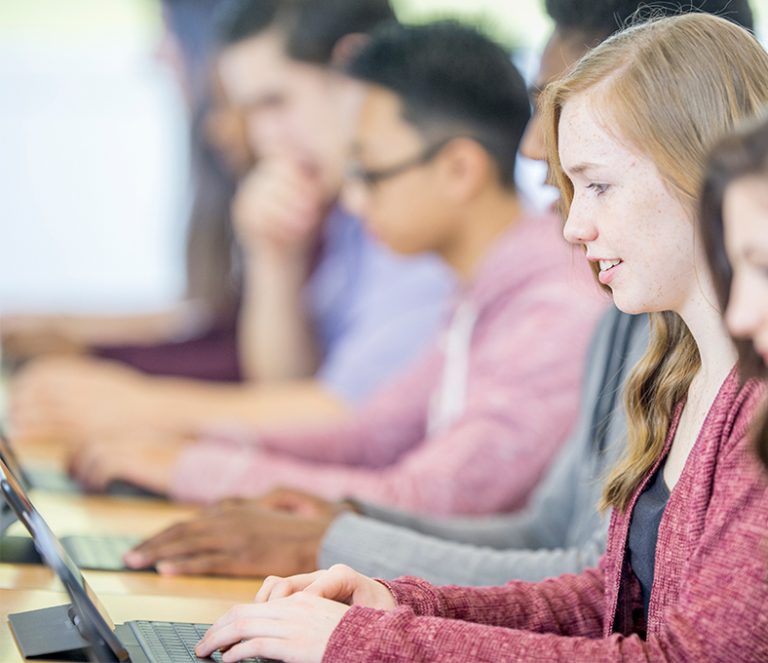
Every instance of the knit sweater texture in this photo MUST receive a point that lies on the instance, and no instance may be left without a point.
(709, 596)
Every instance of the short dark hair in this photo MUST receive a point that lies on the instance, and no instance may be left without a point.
(599, 19)
(312, 28)
(741, 154)
(450, 80)
(238, 20)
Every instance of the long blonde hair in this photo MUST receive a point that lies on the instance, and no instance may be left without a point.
(671, 87)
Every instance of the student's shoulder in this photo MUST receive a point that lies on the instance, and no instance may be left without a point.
(730, 424)
(739, 404)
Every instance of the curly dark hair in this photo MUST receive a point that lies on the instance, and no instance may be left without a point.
(598, 19)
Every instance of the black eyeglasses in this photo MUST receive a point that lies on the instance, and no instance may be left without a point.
(370, 177)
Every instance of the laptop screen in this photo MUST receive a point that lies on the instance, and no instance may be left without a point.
(92, 614)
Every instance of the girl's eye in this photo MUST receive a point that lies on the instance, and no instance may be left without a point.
(598, 188)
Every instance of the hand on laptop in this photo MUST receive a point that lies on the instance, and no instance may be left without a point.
(144, 458)
(301, 503)
(297, 628)
(75, 397)
(339, 583)
(237, 538)
(293, 618)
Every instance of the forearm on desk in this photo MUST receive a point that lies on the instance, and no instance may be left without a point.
(188, 405)
(457, 473)
(514, 530)
(380, 549)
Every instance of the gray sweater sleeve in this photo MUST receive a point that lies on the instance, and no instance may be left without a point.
(539, 525)
(529, 545)
(384, 550)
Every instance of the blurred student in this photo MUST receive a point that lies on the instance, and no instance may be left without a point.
(682, 577)
(220, 156)
(734, 222)
(559, 531)
(328, 315)
(433, 171)
(197, 337)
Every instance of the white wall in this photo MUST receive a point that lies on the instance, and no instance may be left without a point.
(92, 165)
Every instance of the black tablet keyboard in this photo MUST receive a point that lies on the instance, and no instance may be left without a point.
(174, 642)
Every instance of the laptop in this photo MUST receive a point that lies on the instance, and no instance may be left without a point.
(100, 553)
(84, 630)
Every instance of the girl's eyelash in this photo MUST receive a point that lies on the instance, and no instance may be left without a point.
(599, 188)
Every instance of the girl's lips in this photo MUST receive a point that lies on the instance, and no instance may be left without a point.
(607, 275)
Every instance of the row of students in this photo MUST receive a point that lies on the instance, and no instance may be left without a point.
(559, 532)
(328, 314)
(683, 576)
(434, 173)
(629, 170)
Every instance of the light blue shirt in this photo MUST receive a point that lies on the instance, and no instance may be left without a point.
(373, 310)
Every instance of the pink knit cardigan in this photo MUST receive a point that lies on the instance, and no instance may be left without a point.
(709, 600)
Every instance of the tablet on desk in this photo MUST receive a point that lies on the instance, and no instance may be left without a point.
(84, 628)
(101, 553)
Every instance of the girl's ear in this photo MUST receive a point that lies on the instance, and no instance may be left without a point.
(346, 48)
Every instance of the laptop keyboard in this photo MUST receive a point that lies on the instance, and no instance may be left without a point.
(174, 642)
(99, 552)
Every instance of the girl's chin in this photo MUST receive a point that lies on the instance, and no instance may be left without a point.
(626, 302)
(631, 307)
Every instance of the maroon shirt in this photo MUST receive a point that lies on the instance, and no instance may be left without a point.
(211, 355)
(709, 600)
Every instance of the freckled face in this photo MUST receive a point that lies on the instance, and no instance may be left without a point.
(745, 215)
(626, 216)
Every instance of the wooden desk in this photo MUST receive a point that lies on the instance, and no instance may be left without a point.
(104, 514)
(94, 514)
(233, 590)
(100, 515)
(126, 595)
(120, 608)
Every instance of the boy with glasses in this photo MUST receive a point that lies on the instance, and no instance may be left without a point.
(472, 426)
